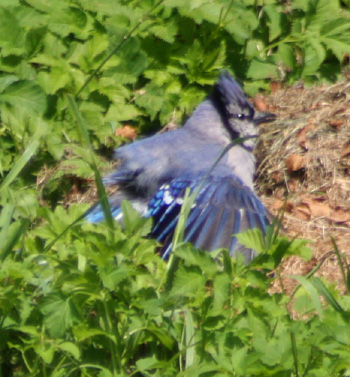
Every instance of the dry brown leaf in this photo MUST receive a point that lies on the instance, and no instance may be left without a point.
(339, 215)
(278, 204)
(302, 211)
(336, 123)
(295, 162)
(318, 209)
(301, 138)
(302, 135)
(276, 176)
(345, 151)
(260, 104)
(293, 185)
(127, 131)
(275, 85)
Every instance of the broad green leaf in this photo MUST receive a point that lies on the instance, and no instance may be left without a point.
(122, 112)
(45, 7)
(147, 363)
(25, 94)
(336, 28)
(259, 69)
(188, 283)
(286, 55)
(314, 56)
(70, 348)
(58, 78)
(310, 289)
(198, 258)
(275, 23)
(165, 339)
(221, 290)
(60, 313)
(45, 350)
(338, 47)
(64, 22)
(254, 48)
(84, 333)
(11, 34)
(151, 99)
(6, 81)
(252, 239)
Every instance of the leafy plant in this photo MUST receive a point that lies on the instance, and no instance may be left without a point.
(78, 299)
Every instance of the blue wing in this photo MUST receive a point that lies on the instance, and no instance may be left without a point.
(224, 206)
(95, 213)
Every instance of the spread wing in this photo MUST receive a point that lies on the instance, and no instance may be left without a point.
(223, 207)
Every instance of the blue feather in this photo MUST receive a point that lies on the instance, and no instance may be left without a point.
(224, 206)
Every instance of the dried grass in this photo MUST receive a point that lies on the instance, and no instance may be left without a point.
(304, 157)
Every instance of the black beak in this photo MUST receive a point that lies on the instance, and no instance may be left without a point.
(263, 118)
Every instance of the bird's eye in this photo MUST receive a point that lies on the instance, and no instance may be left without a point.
(240, 116)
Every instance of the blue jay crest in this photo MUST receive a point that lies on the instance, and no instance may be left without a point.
(155, 172)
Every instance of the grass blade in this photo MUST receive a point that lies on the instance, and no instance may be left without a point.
(346, 277)
(310, 289)
(86, 141)
(189, 338)
(5, 221)
(20, 164)
(20, 227)
(326, 294)
(295, 353)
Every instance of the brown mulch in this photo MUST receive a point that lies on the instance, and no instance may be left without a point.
(305, 169)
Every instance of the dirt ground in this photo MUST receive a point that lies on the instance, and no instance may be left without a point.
(304, 167)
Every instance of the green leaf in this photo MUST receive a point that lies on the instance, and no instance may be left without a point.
(66, 21)
(189, 338)
(84, 134)
(147, 363)
(314, 56)
(275, 23)
(46, 351)
(322, 289)
(6, 81)
(25, 94)
(20, 163)
(338, 47)
(151, 99)
(310, 289)
(259, 69)
(59, 313)
(133, 221)
(198, 258)
(286, 55)
(58, 78)
(188, 283)
(13, 234)
(11, 34)
(70, 348)
(252, 239)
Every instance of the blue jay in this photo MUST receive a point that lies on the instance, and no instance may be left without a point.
(154, 173)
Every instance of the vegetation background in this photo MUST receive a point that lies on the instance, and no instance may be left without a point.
(78, 299)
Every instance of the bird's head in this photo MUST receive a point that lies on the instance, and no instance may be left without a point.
(239, 116)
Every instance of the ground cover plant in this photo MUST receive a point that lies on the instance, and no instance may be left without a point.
(78, 299)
